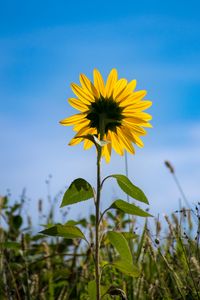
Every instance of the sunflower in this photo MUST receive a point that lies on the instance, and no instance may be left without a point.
(116, 105)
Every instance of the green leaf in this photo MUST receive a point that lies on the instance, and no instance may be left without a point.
(125, 262)
(65, 231)
(123, 266)
(71, 222)
(37, 237)
(92, 290)
(120, 243)
(10, 245)
(141, 242)
(129, 235)
(79, 190)
(129, 188)
(130, 209)
(17, 221)
(126, 268)
(82, 222)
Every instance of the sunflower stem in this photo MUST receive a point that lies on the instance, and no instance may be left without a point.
(98, 198)
(97, 243)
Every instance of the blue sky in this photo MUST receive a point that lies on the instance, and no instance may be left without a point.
(45, 45)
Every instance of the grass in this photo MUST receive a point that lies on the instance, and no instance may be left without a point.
(33, 266)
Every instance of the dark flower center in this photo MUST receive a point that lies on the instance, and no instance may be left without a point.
(107, 109)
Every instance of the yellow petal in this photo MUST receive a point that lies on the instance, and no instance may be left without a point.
(142, 115)
(131, 85)
(139, 106)
(116, 144)
(127, 133)
(83, 131)
(88, 85)
(138, 141)
(79, 126)
(119, 87)
(82, 94)
(142, 105)
(77, 104)
(106, 152)
(139, 94)
(75, 119)
(125, 141)
(87, 144)
(98, 82)
(127, 92)
(132, 119)
(111, 81)
(133, 98)
(75, 141)
(146, 124)
(136, 129)
(133, 138)
(123, 95)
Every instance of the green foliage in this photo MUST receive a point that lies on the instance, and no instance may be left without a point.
(130, 209)
(129, 188)
(79, 190)
(65, 231)
(125, 262)
(92, 291)
(121, 245)
(44, 268)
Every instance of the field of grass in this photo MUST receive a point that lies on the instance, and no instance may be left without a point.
(33, 266)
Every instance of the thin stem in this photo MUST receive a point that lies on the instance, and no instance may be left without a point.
(14, 281)
(101, 217)
(183, 194)
(176, 279)
(130, 224)
(97, 244)
(97, 204)
(105, 180)
(126, 171)
(189, 269)
(181, 190)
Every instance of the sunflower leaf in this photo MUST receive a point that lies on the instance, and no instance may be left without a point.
(129, 188)
(10, 245)
(121, 245)
(125, 261)
(92, 290)
(65, 231)
(126, 268)
(130, 209)
(129, 235)
(79, 190)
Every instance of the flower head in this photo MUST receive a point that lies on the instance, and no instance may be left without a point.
(113, 111)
